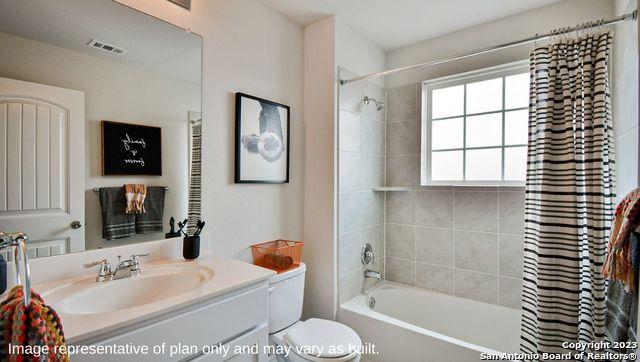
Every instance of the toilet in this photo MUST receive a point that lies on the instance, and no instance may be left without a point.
(310, 340)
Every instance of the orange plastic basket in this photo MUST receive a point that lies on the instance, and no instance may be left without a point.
(279, 255)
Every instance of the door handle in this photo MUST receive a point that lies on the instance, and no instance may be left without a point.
(76, 224)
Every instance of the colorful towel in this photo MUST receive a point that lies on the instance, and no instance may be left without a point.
(36, 326)
(135, 195)
(618, 264)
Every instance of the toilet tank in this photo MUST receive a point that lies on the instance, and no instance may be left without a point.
(286, 293)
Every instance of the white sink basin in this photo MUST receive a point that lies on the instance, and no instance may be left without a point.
(155, 283)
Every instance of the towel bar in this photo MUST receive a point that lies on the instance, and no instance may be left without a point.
(97, 189)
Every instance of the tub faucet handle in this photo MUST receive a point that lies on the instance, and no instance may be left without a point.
(367, 256)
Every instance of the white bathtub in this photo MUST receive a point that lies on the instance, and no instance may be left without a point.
(411, 324)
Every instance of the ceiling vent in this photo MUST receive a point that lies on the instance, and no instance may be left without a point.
(105, 47)
(184, 3)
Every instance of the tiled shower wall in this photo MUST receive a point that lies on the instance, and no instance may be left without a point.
(361, 167)
(465, 241)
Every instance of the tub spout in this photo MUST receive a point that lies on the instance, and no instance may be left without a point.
(372, 274)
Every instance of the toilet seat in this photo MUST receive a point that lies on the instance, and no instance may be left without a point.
(331, 340)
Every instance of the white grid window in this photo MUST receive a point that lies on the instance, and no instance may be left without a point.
(475, 127)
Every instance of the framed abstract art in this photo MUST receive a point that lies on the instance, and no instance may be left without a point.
(262, 140)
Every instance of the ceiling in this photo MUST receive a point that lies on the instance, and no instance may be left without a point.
(392, 24)
(149, 43)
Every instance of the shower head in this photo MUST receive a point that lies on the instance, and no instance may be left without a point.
(379, 104)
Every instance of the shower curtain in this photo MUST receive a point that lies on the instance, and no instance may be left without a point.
(569, 194)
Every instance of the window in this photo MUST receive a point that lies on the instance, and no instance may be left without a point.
(475, 127)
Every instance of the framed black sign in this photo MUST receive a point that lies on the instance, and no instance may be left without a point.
(262, 140)
(129, 149)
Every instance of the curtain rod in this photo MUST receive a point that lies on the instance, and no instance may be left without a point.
(583, 26)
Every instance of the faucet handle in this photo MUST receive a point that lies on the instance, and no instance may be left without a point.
(90, 265)
(134, 257)
(105, 269)
(134, 261)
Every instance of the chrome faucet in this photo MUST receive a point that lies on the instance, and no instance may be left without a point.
(372, 274)
(125, 268)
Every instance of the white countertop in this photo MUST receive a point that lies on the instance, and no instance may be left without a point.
(229, 275)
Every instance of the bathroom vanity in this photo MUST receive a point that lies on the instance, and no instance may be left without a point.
(179, 310)
(153, 82)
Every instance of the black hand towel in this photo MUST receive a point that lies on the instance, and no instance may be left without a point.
(116, 223)
(151, 221)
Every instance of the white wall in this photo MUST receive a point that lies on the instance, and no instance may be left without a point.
(250, 48)
(357, 53)
(624, 91)
(624, 94)
(319, 170)
(118, 92)
(542, 20)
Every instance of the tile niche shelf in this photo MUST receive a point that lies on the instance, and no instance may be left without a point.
(391, 188)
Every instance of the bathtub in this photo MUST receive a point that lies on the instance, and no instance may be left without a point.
(411, 324)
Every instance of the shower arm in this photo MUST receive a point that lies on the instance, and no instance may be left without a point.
(379, 104)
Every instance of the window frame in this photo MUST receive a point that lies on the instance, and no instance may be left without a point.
(428, 86)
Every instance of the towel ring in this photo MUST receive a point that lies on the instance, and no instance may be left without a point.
(19, 242)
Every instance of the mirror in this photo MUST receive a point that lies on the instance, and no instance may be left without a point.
(66, 68)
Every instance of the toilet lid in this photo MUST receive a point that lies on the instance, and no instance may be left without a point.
(323, 338)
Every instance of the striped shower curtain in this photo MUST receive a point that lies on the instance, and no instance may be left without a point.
(569, 194)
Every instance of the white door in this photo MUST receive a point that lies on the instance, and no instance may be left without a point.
(42, 165)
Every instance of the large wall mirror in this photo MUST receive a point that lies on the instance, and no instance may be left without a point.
(66, 67)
